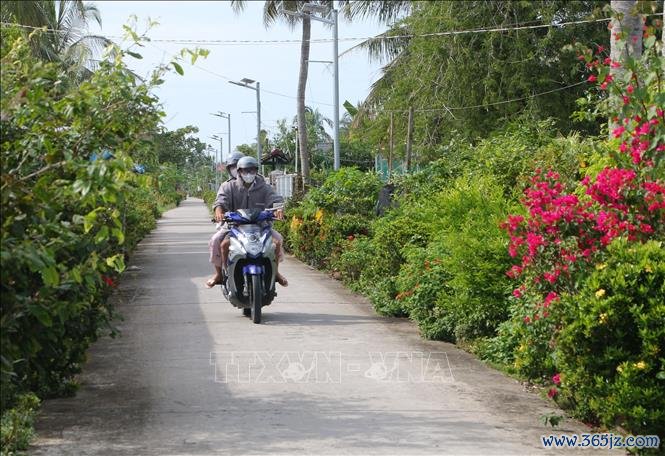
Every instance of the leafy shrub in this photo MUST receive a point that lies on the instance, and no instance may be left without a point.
(69, 202)
(348, 190)
(16, 425)
(609, 351)
(328, 216)
(455, 287)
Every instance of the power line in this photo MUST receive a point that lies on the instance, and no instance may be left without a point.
(226, 78)
(222, 42)
(486, 105)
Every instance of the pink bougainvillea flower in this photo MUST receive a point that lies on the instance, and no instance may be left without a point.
(592, 78)
(551, 297)
(557, 379)
(517, 293)
(618, 131)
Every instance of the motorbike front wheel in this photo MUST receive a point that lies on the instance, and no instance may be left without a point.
(256, 297)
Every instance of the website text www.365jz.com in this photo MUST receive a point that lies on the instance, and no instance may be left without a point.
(608, 441)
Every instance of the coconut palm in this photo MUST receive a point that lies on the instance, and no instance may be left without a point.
(66, 39)
(286, 10)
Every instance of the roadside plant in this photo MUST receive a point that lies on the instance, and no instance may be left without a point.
(569, 230)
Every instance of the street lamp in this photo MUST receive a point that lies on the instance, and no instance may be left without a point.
(226, 116)
(309, 8)
(245, 82)
(218, 172)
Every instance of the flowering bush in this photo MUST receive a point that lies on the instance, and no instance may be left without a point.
(609, 351)
(566, 229)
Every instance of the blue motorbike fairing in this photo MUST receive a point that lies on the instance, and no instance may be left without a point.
(252, 269)
(250, 216)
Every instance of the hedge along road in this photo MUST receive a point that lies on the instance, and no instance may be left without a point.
(323, 374)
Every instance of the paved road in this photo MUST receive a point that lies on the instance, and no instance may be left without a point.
(322, 375)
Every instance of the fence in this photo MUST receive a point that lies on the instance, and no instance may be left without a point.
(398, 168)
(284, 184)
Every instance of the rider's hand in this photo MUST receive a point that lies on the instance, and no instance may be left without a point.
(219, 214)
(279, 214)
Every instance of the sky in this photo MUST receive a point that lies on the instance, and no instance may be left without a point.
(204, 88)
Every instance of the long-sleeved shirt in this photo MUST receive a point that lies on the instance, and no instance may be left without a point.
(234, 195)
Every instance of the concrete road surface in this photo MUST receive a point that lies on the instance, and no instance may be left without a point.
(321, 375)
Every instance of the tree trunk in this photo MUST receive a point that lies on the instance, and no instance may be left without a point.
(302, 83)
(629, 22)
(625, 41)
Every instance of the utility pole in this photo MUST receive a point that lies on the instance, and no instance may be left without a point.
(409, 139)
(245, 82)
(296, 154)
(390, 149)
(336, 92)
(258, 122)
(226, 116)
(307, 10)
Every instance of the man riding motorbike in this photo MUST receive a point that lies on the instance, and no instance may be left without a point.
(216, 239)
(248, 191)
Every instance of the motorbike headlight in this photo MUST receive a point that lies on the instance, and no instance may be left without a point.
(253, 247)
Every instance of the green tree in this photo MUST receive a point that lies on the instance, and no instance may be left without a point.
(461, 82)
(66, 40)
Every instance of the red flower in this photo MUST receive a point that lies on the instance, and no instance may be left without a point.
(109, 281)
(618, 131)
(551, 297)
(552, 393)
(351, 237)
(592, 78)
(557, 379)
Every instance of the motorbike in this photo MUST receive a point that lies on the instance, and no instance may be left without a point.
(249, 281)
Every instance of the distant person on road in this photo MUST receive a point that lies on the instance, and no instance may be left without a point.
(216, 239)
(248, 191)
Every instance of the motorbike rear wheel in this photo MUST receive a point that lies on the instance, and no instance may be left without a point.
(256, 297)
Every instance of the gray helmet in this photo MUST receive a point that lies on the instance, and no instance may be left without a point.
(232, 160)
(247, 162)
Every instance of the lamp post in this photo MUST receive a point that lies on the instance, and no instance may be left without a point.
(226, 116)
(218, 172)
(309, 8)
(245, 82)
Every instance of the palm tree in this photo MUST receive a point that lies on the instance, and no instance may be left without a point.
(66, 39)
(287, 10)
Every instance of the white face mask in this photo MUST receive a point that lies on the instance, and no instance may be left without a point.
(248, 178)
(233, 172)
